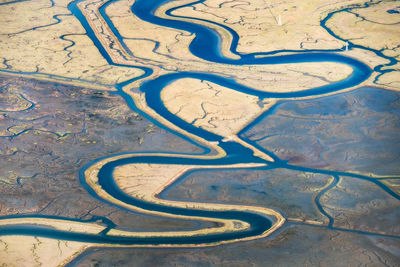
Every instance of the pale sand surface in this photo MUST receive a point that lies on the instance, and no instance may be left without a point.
(210, 106)
(63, 225)
(16, 251)
(256, 22)
(42, 50)
(373, 28)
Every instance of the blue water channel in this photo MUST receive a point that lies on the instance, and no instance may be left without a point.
(205, 45)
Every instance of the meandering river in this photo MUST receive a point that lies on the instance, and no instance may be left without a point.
(207, 46)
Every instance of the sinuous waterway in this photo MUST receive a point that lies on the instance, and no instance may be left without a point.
(205, 45)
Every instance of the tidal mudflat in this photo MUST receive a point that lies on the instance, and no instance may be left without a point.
(228, 133)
